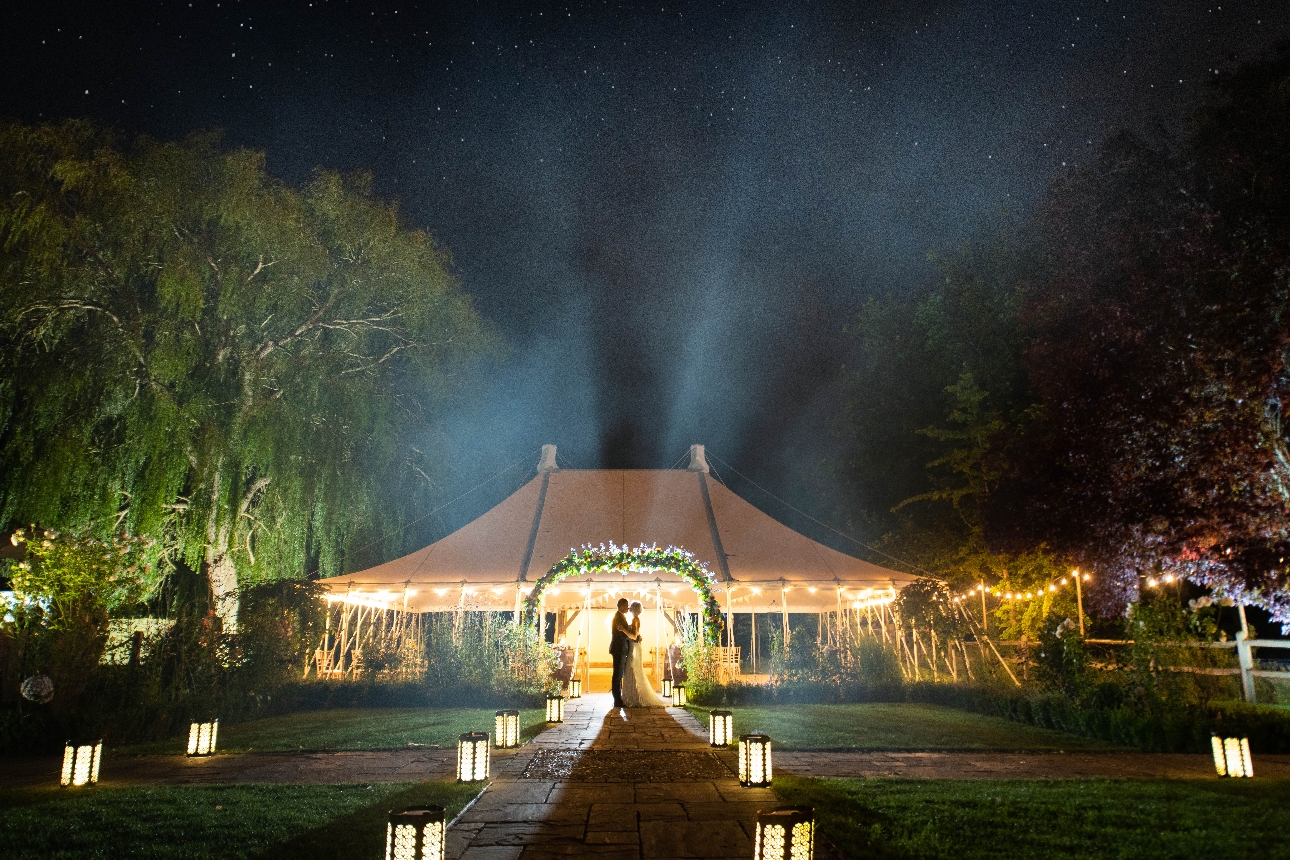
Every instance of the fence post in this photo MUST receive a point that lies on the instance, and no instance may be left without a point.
(1245, 657)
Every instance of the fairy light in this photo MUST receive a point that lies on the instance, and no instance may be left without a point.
(1053, 587)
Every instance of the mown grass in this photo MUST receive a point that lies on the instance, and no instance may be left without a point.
(1049, 819)
(895, 726)
(349, 729)
(229, 822)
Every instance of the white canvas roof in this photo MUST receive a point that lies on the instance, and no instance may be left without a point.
(758, 563)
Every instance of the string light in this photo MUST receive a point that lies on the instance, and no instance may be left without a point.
(1053, 587)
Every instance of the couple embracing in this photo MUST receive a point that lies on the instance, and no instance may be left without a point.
(631, 685)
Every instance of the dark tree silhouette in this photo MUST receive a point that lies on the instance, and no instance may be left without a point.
(1157, 350)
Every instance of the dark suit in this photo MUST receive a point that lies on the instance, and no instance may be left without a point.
(618, 649)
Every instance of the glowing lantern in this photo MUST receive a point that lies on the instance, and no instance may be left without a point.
(1232, 756)
(754, 761)
(506, 730)
(785, 833)
(201, 738)
(81, 763)
(417, 833)
(721, 728)
(667, 688)
(575, 688)
(678, 695)
(555, 709)
(472, 757)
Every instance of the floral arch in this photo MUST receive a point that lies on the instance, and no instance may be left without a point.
(642, 559)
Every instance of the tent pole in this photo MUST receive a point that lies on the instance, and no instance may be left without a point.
(839, 621)
(783, 606)
(658, 627)
(730, 619)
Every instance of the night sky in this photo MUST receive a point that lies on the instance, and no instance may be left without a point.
(669, 212)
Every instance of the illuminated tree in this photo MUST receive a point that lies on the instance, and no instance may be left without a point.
(192, 350)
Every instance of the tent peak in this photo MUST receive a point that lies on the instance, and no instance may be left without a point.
(698, 460)
(546, 463)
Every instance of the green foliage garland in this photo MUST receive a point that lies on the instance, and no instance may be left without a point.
(642, 559)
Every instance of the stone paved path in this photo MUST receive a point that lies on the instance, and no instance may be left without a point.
(326, 768)
(626, 747)
(627, 784)
(627, 756)
(998, 765)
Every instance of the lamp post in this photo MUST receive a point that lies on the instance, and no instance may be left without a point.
(721, 728)
(1079, 601)
(754, 761)
(472, 757)
(555, 709)
(506, 729)
(785, 833)
(575, 688)
(678, 695)
(985, 615)
(667, 686)
(417, 833)
(201, 738)
(81, 763)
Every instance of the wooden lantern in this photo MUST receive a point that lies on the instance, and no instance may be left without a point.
(506, 730)
(721, 728)
(417, 833)
(667, 688)
(678, 695)
(575, 688)
(201, 738)
(555, 709)
(81, 763)
(472, 757)
(754, 761)
(1232, 756)
(785, 833)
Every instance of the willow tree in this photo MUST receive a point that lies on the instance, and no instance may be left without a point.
(192, 350)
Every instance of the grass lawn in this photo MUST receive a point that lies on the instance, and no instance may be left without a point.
(895, 726)
(349, 729)
(230, 822)
(1077, 818)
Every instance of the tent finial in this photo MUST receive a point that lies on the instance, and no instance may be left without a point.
(698, 462)
(546, 463)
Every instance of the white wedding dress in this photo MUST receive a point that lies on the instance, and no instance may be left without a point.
(637, 692)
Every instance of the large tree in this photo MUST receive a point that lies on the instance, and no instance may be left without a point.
(192, 350)
(932, 376)
(1158, 346)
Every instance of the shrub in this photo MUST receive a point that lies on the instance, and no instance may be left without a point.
(1104, 714)
(861, 670)
(193, 669)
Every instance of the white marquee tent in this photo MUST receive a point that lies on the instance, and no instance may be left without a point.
(491, 564)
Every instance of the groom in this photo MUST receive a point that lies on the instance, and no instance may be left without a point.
(618, 649)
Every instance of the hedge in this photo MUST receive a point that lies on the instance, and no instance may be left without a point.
(1157, 727)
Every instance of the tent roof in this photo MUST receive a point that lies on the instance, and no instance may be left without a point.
(489, 561)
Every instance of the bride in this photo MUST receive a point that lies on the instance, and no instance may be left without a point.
(637, 692)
